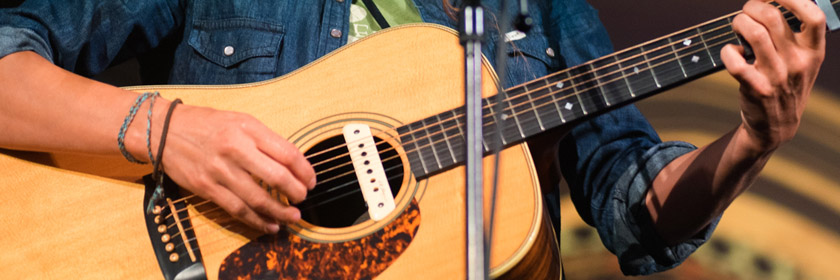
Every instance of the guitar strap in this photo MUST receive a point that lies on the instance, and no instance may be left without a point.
(374, 11)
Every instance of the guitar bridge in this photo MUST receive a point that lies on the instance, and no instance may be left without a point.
(171, 233)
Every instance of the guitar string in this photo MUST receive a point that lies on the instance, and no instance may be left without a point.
(599, 83)
(548, 86)
(535, 107)
(344, 185)
(555, 74)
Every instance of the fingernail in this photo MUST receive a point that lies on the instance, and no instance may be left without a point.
(272, 228)
(296, 216)
(312, 183)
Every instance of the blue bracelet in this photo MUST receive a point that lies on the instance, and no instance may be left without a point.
(128, 119)
(149, 126)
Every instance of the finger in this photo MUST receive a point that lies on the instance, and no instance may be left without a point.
(237, 208)
(255, 197)
(733, 58)
(274, 174)
(286, 153)
(813, 21)
(772, 20)
(767, 58)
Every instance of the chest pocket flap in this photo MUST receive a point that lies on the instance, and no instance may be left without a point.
(229, 42)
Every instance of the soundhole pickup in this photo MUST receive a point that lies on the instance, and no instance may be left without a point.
(369, 171)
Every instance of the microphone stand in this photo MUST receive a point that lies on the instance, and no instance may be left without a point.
(471, 30)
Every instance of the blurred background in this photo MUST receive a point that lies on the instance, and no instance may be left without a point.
(787, 226)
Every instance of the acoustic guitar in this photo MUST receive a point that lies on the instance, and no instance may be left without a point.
(66, 216)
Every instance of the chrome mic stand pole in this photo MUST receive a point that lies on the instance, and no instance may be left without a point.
(471, 30)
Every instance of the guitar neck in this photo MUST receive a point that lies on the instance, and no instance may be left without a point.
(563, 98)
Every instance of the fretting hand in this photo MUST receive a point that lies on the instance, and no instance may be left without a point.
(775, 88)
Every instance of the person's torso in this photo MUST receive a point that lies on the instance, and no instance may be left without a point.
(227, 42)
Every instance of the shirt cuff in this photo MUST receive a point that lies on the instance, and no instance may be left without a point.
(639, 247)
(14, 40)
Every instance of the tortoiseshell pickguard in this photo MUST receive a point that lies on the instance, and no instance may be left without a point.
(287, 256)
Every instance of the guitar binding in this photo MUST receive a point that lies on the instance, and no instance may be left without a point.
(168, 233)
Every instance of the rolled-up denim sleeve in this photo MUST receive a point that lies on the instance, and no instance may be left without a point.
(87, 36)
(634, 240)
(610, 162)
(16, 39)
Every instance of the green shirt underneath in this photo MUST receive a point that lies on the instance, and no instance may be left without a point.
(395, 12)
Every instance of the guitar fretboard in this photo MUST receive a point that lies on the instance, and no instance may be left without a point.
(436, 143)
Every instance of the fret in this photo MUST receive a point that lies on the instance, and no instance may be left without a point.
(555, 84)
(415, 157)
(446, 128)
(740, 43)
(424, 149)
(637, 71)
(624, 76)
(434, 139)
(564, 96)
(490, 122)
(649, 66)
(664, 61)
(588, 91)
(533, 107)
(526, 116)
(611, 80)
(543, 99)
(692, 53)
(674, 49)
(458, 115)
(706, 47)
(717, 34)
(514, 111)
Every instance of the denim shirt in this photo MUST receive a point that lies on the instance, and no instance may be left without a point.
(609, 162)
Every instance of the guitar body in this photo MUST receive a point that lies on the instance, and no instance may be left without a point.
(64, 216)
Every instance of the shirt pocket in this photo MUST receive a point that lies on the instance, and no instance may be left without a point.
(235, 50)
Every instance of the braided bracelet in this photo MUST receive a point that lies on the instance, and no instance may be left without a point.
(128, 119)
(149, 127)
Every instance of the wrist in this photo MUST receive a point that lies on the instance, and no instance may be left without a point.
(751, 145)
(143, 129)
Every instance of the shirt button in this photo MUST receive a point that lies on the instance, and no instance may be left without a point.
(228, 50)
(335, 33)
(549, 52)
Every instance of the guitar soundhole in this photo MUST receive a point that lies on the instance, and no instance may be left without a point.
(336, 201)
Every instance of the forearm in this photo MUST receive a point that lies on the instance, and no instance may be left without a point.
(45, 108)
(697, 187)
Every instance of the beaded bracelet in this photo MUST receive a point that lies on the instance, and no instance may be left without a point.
(128, 119)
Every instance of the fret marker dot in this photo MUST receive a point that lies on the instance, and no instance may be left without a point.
(636, 70)
(505, 116)
(695, 59)
(687, 42)
(560, 85)
(569, 106)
